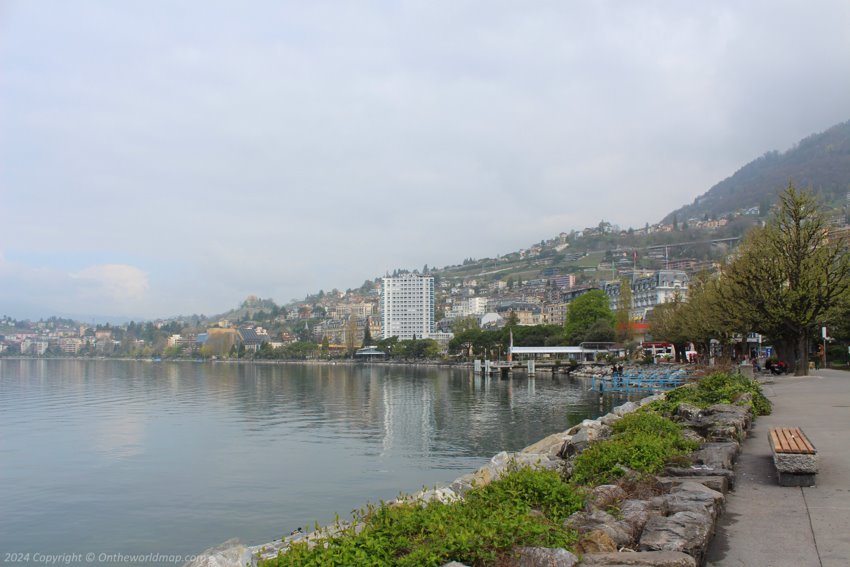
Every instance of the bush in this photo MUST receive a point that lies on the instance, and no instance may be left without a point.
(643, 441)
(717, 388)
(648, 422)
(485, 526)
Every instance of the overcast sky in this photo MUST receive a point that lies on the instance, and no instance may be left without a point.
(161, 158)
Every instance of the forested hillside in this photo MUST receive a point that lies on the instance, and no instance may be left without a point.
(820, 162)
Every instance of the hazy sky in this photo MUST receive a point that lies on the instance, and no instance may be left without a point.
(161, 157)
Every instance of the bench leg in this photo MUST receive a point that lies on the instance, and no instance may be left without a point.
(797, 479)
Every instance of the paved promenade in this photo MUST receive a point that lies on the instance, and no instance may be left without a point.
(768, 525)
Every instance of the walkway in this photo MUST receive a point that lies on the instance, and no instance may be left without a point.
(772, 526)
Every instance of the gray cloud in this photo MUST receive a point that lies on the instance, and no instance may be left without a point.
(222, 149)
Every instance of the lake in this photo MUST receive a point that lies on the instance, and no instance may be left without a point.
(124, 457)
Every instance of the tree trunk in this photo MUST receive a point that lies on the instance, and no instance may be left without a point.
(801, 366)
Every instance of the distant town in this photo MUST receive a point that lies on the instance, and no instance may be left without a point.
(533, 286)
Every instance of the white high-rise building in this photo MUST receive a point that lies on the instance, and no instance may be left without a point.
(407, 306)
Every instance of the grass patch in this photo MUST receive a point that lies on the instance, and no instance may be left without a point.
(526, 508)
(717, 388)
(590, 261)
(643, 441)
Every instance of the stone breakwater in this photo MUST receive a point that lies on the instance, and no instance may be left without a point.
(668, 524)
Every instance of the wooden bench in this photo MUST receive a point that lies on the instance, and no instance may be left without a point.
(794, 456)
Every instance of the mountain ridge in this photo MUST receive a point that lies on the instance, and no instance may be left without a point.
(820, 162)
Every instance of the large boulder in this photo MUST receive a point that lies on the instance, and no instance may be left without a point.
(717, 455)
(587, 434)
(610, 419)
(692, 435)
(649, 399)
(596, 541)
(720, 422)
(716, 482)
(726, 422)
(689, 412)
(637, 513)
(627, 407)
(620, 532)
(550, 445)
(228, 554)
(463, 484)
(694, 497)
(698, 471)
(687, 532)
(540, 557)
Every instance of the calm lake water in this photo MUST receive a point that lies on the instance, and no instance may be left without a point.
(125, 457)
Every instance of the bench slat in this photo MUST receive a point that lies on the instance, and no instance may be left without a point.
(788, 446)
(774, 437)
(790, 440)
(793, 446)
(804, 441)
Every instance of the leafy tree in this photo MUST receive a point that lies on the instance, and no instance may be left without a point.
(367, 335)
(173, 351)
(702, 318)
(534, 335)
(418, 349)
(388, 345)
(512, 321)
(789, 277)
(351, 335)
(584, 311)
(624, 310)
(463, 324)
(601, 331)
(304, 333)
(300, 350)
(667, 322)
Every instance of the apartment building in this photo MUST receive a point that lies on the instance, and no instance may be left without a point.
(407, 306)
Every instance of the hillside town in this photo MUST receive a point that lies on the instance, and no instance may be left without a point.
(530, 287)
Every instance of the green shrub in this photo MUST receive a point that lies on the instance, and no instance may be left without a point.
(485, 526)
(642, 451)
(718, 388)
(647, 422)
(643, 441)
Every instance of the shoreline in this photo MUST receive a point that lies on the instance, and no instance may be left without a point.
(673, 523)
(544, 453)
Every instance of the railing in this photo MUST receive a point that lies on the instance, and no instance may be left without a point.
(639, 381)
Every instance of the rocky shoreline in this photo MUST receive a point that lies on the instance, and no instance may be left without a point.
(668, 526)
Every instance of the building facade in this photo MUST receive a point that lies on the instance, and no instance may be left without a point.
(651, 290)
(407, 307)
